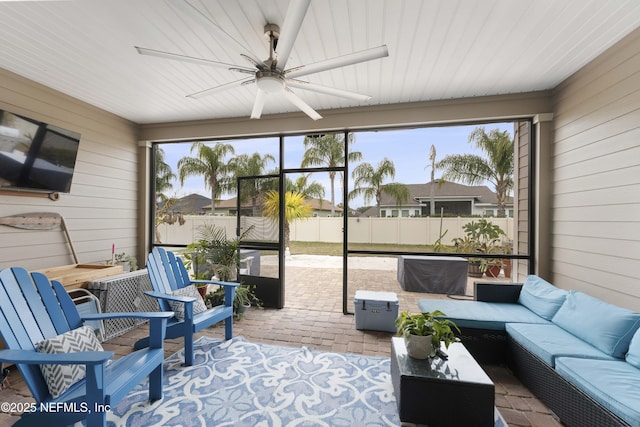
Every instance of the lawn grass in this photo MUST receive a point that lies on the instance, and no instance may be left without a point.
(325, 248)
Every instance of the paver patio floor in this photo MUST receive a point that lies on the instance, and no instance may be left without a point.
(313, 316)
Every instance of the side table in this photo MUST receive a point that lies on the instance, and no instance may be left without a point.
(453, 392)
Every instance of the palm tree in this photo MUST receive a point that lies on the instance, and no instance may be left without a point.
(432, 186)
(250, 165)
(368, 182)
(164, 176)
(295, 205)
(211, 164)
(496, 168)
(310, 190)
(328, 150)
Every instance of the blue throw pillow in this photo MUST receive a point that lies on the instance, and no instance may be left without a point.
(541, 297)
(605, 326)
(633, 356)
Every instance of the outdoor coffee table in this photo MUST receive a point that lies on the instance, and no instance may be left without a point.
(452, 392)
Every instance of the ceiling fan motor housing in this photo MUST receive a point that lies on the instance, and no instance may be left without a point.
(272, 29)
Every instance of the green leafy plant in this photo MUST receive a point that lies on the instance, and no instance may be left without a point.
(213, 253)
(428, 323)
(481, 237)
(485, 233)
(123, 258)
(245, 295)
(437, 245)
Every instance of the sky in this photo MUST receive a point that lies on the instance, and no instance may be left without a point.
(407, 148)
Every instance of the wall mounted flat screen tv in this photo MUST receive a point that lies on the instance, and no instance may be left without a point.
(36, 155)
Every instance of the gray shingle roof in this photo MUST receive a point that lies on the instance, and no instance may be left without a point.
(191, 205)
(445, 190)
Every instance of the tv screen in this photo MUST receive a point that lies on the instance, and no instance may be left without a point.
(36, 155)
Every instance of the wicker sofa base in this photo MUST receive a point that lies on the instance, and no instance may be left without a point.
(488, 346)
(572, 406)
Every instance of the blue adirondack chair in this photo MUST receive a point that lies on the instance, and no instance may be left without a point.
(33, 309)
(168, 274)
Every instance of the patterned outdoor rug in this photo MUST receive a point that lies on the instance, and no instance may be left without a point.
(239, 383)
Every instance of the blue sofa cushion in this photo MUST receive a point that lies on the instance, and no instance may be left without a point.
(633, 356)
(613, 384)
(603, 325)
(549, 342)
(481, 315)
(541, 297)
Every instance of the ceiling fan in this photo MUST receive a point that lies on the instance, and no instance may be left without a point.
(270, 74)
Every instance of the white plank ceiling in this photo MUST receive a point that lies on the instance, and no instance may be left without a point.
(438, 49)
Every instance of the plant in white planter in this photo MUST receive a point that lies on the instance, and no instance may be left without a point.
(128, 262)
(423, 332)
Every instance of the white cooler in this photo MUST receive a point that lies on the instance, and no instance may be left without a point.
(376, 311)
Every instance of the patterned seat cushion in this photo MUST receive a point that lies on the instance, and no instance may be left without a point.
(188, 291)
(60, 377)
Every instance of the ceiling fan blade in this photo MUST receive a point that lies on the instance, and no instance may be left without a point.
(184, 58)
(220, 88)
(289, 30)
(186, 8)
(258, 65)
(299, 84)
(340, 61)
(258, 104)
(295, 100)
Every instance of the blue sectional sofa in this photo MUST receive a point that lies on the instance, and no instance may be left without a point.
(579, 355)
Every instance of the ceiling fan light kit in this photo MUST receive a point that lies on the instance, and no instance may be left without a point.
(270, 81)
(270, 75)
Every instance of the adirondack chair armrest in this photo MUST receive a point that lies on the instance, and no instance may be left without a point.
(169, 297)
(157, 323)
(31, 357)
(133, 314)
(216, 282)
(229, 291)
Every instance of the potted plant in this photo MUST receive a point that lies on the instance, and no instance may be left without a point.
(481, 237)
(128, 262)
(507, 249)
(468, 245)
(245, 298)
(423, 332)
(492, 266)
(196, 260)
(215, 298)
(215, 254)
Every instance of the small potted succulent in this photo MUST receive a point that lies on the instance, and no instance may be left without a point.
(128, 262)
(423, 332)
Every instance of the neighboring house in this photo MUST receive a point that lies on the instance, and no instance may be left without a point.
(229, 207)
(193, 204)
(450, 198)
(323, 208)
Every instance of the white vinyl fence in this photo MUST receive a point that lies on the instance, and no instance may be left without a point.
(408, 231)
